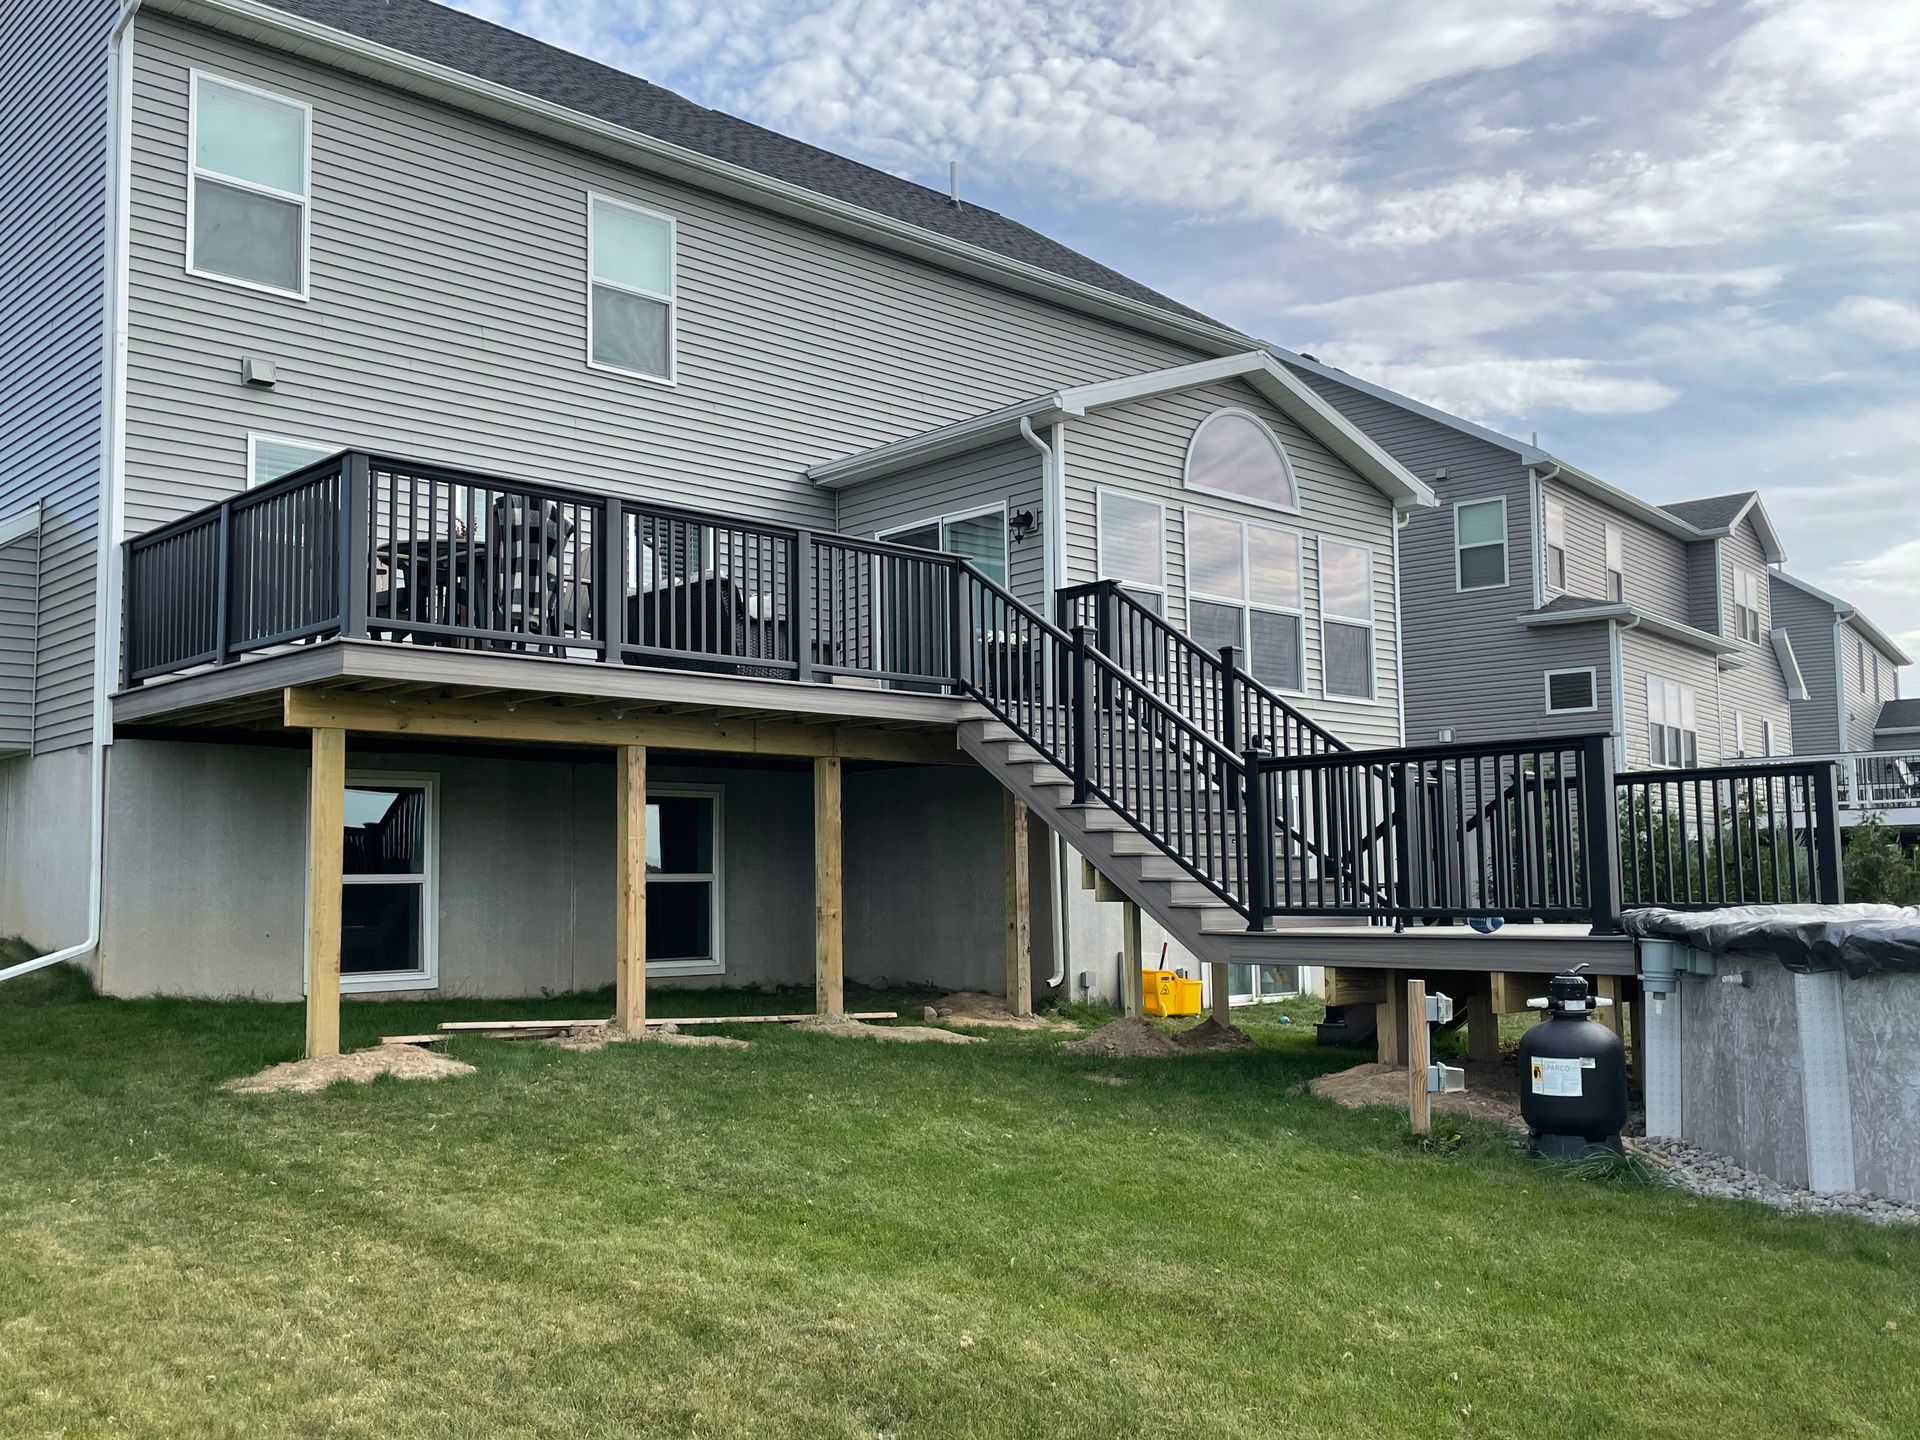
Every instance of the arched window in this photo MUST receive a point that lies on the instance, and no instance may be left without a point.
(1234, 454)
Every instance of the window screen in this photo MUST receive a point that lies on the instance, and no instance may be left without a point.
(248, 186)
(1480, 534)
(631, 301)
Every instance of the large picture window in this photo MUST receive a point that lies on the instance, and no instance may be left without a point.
(1673, 731)
(1346, 620)
(1244, 590)
(389, 882)
(247, 191)
(1480, 543)
(1131, 546)
(684, 839)
(630, 300)
(1233, 453)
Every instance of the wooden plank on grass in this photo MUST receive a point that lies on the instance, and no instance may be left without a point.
(535, 1027)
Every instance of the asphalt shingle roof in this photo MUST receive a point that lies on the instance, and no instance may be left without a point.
(490, 52)
(1715, 512)
(1898, 715)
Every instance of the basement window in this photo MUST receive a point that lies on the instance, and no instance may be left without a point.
(247, 189)
(685, 935)
(389, 896)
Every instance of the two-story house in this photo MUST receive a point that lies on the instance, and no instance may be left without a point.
(474, 521)
(1539, 599)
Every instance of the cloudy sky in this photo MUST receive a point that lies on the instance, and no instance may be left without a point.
(1679, 239)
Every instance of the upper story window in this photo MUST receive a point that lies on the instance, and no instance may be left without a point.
(1480, 544)
(1234, 454)
(630, 301)
(1244, 590)
(1766, 737)
(1130, 545)
(247, 191)
(1556, 543)
(1860, 653)
(1746, 604)
(1673, 734)
(1346, 620)
(1616, 565)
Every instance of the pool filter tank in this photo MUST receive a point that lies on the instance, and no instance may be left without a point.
(1573, 1075)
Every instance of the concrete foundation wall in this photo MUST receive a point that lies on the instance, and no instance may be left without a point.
(207, 855)
(45, 844)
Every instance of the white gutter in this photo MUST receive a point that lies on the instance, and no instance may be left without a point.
(1053, 512)
(106, 611)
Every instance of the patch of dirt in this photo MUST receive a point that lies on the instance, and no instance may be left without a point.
(1210, 1036)
(309, 1077)
(1492, 1093)
(1124, 1039)
(598, 1037)
(972, 1007)
(844, 1029)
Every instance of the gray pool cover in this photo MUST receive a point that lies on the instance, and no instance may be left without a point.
(1859, 939)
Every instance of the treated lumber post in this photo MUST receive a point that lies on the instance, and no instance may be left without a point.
(1391, 1020)
(1419, 1103)
(630, 888)
(1483, 1026)
(829, 956)
(1608, 987)
(326, 849)
(1019, 905)
(1132, 991)
(1218, 982)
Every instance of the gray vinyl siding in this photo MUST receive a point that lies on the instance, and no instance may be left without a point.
(1703, 586)
(53, 61)
(1140, 448)
(1809, 622)
(1862, 708)
(446, 317)
(1006, 474)
(1656, 563)
(1642, 655)
(1756, 689)
(1900, 740)
(19, 600)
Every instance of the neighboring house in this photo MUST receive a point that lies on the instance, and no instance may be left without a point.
(1540, 600)
(426, 370)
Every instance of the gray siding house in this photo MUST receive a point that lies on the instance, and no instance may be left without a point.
(1538, 599)
(511, 479)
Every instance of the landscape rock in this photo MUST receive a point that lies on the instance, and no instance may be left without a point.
(1704, 1173)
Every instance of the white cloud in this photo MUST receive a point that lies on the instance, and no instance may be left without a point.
(1891, 324)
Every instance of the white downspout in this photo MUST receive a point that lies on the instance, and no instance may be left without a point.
(106, 612)
(1052, 525)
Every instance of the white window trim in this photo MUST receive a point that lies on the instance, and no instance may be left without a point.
(716, 925)
(1550, 506)
(1593, 690)
(1612, 538)
(1246, 605)
(1679, 685)
(953, 517)
(305, 202)
(256, 437)
(671, 299)
(1759, 582)
(1371, 621)
(428, 976)
(1164, 588)
(1293, 479)
(1506, 570)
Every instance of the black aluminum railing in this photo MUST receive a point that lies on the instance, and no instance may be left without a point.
(1744, 835)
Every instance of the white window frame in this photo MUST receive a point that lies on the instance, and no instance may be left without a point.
(1246, 604)
(1593, 690)
(1286, 465)
(999, 508)
(255, 438)
(428, 976)
(1743, 576)
(194, 174)
(1555, 519)
(1163, 589)
(671, 299)
(716, 924)
(1766, 737)
(1371, 620)
(1680, 688)
(1506, 574)
(1615, 553)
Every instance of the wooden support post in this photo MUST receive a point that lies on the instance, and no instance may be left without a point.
(1391, 1021)
(1419, 1103)
(326, 848)
(1608, 987)
(1220, 985)
(630, 890)
(829, 954)
(1483, 1026)
(1019, 905)
(1132, 984)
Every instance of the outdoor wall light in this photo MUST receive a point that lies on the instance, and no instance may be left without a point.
(1020, 525)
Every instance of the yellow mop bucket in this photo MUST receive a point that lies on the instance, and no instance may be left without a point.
(1167, 993)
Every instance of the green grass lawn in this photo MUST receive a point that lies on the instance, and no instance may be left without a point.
(821, 1238)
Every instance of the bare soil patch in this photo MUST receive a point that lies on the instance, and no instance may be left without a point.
(972, 1007)
(1124, 1039)
(361, 1067)
(1492, 1093)
(598, 1037)
(1210, 1036)
(842, 1028)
